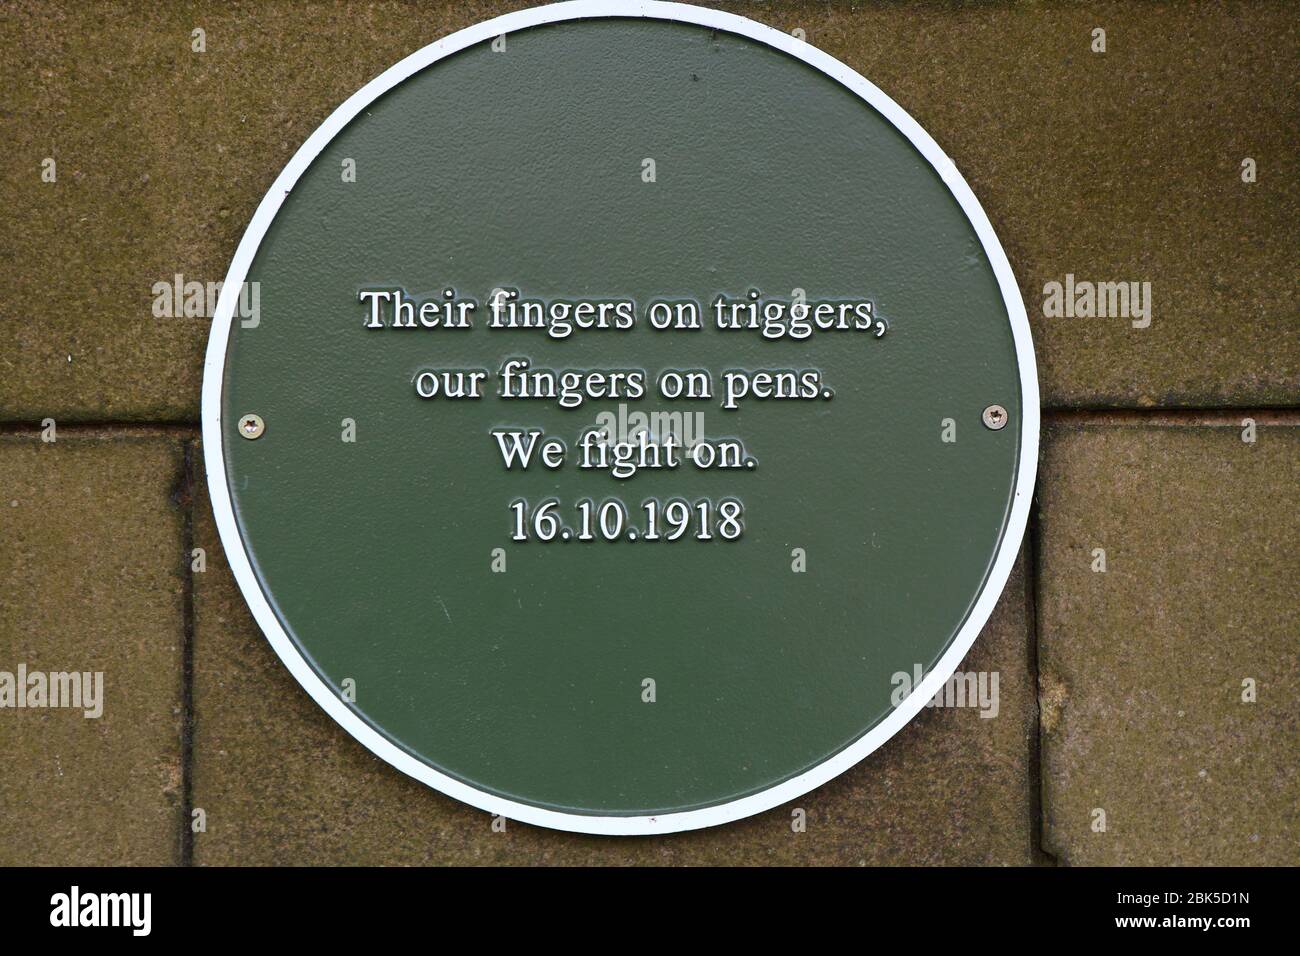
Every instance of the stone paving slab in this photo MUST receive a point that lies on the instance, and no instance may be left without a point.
(1145, 666)
(1118, 166)
(92, 570)
(281, 783)
(1122, 166)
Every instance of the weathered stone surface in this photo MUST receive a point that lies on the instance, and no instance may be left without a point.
(1143, 665)
(162, 155)
(1116, 166)
(92, 568)
(282, 784)
(1123, 165)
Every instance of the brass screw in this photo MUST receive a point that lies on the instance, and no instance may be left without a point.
(995, 417)
(252, 426)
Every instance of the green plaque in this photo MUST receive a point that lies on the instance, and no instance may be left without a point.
(637, 422)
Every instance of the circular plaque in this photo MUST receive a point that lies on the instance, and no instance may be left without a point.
(613, 409)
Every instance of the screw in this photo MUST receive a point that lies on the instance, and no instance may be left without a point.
(995, 417)
(252, 426)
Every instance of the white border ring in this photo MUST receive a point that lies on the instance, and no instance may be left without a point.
(214, 374)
